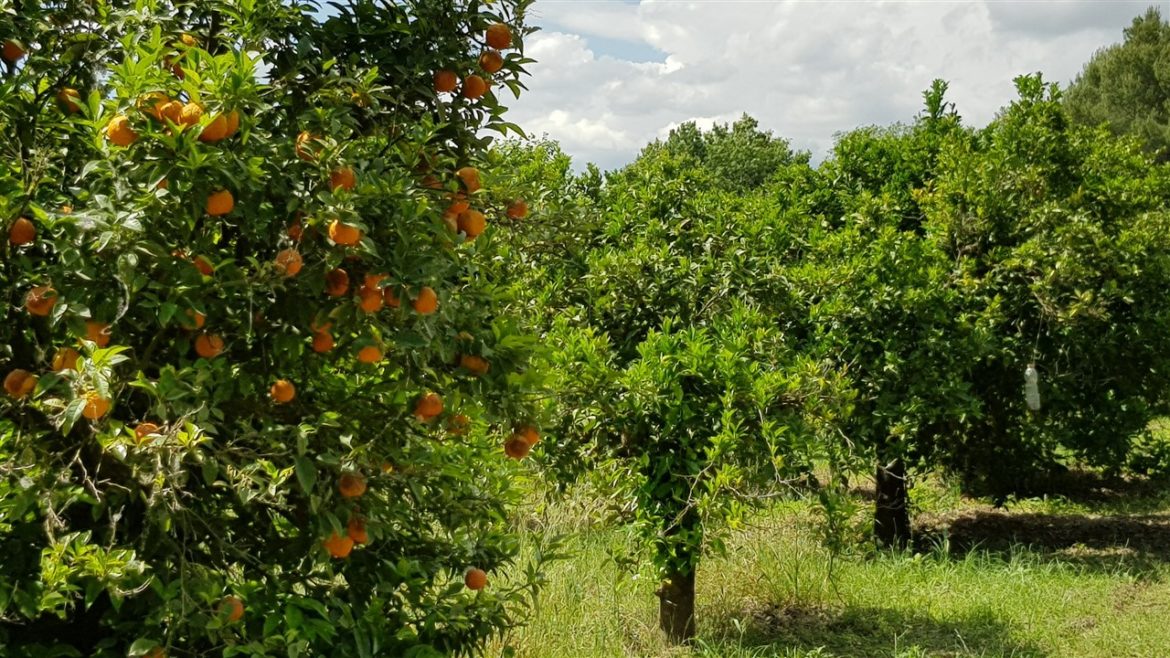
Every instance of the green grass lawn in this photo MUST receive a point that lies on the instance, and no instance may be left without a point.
(1092, 582)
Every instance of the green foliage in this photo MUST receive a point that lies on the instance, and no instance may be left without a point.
(1058, 236)
(119, 543)
(739, 158)
(1126, 86)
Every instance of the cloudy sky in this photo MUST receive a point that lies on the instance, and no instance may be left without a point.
(615, 74)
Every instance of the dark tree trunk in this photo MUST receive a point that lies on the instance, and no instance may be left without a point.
(891, 516)
(676, 607)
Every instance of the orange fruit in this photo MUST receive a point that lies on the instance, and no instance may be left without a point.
(65, 359)
(390, 297)
(459, 203)
(231, 609)
(69, 98)
(12, 51)
(338, 546)
(98, 332)
(20, 383)
(470, 178)
(491, 61)
(431, 183)
(476, 365)
(203, 265)
(296, 231)
(428, 406)
(220, 203)
(171, 111)
(342, 178)
(307, 147)
(369, 299)
(195, 320)
(143, 430)
(233, 123)
(336, 282)
(499, 36)
(475, 579)
(22, 232)
(356, 529)
(40, 300)
(208, 346)
(288, 262)
(344, 234)
(369, 354)
(282, 391)
(427, 301)
(214, 131)
(190, 114)
(189, 40)
(95, 406)
(351, 485)
(458, 425)
(529, 434)
(373, 280)
(445, 81)
(451, 222)
(322, 342)
(472, 223)
(518, 209)
(119, 132)
(516, 447)
(474, 87)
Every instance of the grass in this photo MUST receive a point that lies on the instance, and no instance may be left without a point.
(1092, 582)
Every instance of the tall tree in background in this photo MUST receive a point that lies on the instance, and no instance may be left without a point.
(1127, 85)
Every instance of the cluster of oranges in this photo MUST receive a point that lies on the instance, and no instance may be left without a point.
(498, 37)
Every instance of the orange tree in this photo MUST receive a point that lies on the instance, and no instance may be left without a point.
(257, 386)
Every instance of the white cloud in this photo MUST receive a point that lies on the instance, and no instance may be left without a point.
(805, 69)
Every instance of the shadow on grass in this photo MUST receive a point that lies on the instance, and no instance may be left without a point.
(1138, 544)
(864, 632)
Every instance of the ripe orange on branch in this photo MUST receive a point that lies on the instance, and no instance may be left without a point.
(491, 61)
(97, 332)
(21, 232)
(282, 391)
(445, 81)
(65, 359)
(427, 301)
(119, 132)
(474, 87)
(19, 383)
(40, 300)
(342, 178)
(475, 579)
(336, 282)
(95, 406)
(338, 546)
(369, 354)
(344, 234)
(208, 346)
(428, 406)
(145, 429)
(518, 209)
(231, 608)
(288, 262)
(472, 223)
(351, 485)
(220, 203)
(70, 99)
(499, 36)
(12, 51)
(308, 146)
(356, 530)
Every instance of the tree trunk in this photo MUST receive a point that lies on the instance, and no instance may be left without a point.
(676, 607)
(891, 517)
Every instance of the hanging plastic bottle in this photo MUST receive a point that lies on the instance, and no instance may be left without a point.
(1032, 387)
